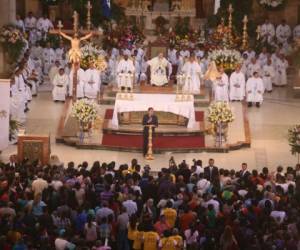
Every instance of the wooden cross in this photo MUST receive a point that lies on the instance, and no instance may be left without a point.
(75, 23)
(88, 22)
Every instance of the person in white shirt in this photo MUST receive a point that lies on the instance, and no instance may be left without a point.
(250, 53)
(267, 31)
(296, 32)
(283, 32)
(92, 82)
(220, 86)
(19, 23)
(30, 22)
(130, 206)
(60, 83)
(43, 25)
(268, 74)
(263, 56)
(192, 72)
(172, 58)
(237, 85)
(280, 70)
(125, 73)
(199, 52)
(185, 53)
(48, 58)
(255, 90)
(80, 82)
(39, 185)
(254, 66)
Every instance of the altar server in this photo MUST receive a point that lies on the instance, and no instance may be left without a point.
(237, 85)
(125, 72)
(283, 32)
(192, 72)
(255, 90)
(60, 83)
(252, 67)
(54, 71)
(161, 70)
(296, 32)
(220, 86)
(267, 31)
(280, 69)
(268, 75)
(80, 82)
(92, 82)
(48, 58)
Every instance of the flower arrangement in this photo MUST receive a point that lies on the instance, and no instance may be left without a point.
(85, 111)
(272, 4)
(13, 41)
(220, 112)
(92, 53)
(294, 139)
(226, 58)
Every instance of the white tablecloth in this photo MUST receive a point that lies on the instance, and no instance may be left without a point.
(160, 102)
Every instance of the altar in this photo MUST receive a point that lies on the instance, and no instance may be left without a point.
(160, 102)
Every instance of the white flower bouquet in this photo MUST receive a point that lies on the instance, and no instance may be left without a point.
(92, 53)
(85, 111)
(271, 4)
(220, 112)
(227, 58)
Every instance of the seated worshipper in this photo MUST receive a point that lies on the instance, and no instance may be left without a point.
(80, 82)
(237, 85)
(220, 88)
(53, 71)
(60, 83)
(192, 72)
(280, 71)
(255, 90)
(125, 73)
(48, 57)
(268, 74)
(92, 82)
(159, 66)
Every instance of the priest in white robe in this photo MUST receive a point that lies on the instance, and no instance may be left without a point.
(237, 85)
(48, 58)
(80, 82)
(92, 82)
(280, 71)
(283, 32)
(54, 71)
(268, 75)
(17, 102)
(161, 70)
(60, 84)
(221, 87)
(193, 74)
(125, 73)
(252, 67)
(267, 32)
(255, 90)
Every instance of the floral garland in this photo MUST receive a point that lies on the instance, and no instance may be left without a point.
(220, 112)
(85, 111)
(294, 139)
(272, 4)
(13, 41)
(227, 58)
(91, 53)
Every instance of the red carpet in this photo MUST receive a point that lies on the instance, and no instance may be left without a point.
(160, 142)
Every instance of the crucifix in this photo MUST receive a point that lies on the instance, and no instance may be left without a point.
(75, 52)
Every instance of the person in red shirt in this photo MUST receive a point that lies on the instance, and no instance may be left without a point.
(161, 225)
(186, 218)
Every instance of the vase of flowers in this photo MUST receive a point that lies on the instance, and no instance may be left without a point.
(85, 111)
(220, 115)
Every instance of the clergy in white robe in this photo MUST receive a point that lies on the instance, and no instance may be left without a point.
(30, 22)
(53, 71)
(125, 73)
(60, 53)
(112, 69)
(255, 90)
(280, 71)
(80, 83)
(60, 84)
(283, 32)
(17, 102)
(44, 24)
(267, 32)
(263, 57)
(161, 70)
(172, 58)
(48, 58)
(237, 85)
(19, 23)
(192, 72)
(252, 67)
(220, 89)
(268, 74)
(92, 82)
(296, 32)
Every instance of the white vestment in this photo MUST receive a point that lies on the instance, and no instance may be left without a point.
(60, 83)
(280, 71)
(52, 73)
(48, 59)
(283, 32)
(30, 23)
(267, 32)
(92, 83)
(17, 104)
(253, 67)
(237, 86)
(125, 73)
(220, 87)
(80, 83)
(296, 32)
(255, 90)
(263, 58)
(172, 56)
(60, 55)
(158, 68)
(20, 24)
(268, 74)
(192, 72)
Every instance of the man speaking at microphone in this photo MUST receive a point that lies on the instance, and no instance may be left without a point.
(148, 119)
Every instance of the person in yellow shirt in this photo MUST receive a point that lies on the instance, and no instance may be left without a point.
(167, 242)
(138, 240)
(177, 238)
(170, 214)
(151, 239)
(132, 230)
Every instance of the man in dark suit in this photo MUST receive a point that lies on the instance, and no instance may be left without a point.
(244, 173)
(148, 119)
(211, 172)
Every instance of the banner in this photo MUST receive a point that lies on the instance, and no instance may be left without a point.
(4, 112)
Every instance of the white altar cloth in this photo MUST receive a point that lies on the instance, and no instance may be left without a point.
(160, 102)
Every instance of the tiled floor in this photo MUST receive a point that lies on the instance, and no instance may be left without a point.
(268, 125)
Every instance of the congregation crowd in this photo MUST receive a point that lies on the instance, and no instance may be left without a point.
(106, 206)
